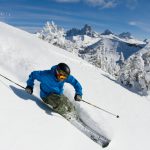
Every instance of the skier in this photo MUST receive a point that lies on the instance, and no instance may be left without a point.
(51, 88)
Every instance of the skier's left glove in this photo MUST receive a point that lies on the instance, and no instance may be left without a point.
(78, 97)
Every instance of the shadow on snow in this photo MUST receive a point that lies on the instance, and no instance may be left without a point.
(25, 96)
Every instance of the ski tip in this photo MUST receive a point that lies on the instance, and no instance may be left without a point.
(117, 116)
(105, 144)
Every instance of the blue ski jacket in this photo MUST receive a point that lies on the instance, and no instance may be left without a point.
(49, 83)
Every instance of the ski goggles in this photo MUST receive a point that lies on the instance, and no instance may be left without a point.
(61, 74)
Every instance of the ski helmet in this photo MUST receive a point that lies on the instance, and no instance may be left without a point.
(64, 68)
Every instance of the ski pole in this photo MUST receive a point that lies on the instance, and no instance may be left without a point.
(117, 116)
(12, 81)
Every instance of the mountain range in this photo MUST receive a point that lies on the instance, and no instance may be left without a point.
(103, 50)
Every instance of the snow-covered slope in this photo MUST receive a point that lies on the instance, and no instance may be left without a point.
(27, 124)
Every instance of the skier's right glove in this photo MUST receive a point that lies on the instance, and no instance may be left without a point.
(29, 89)
(78, 97)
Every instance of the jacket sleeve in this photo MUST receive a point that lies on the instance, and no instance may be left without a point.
(74, 82)
(35, 75)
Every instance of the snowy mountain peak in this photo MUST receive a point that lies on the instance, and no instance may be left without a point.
(126, 35)
(107, 32)
(86, 30)
(72, 32)
(146, 41)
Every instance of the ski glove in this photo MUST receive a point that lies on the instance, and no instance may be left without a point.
(29, 89)
(78, 97)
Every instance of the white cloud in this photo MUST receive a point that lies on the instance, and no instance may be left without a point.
(132, 23)
(103, 3)
(141, 25)
(131, 4)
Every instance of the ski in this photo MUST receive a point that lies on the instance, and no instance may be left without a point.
(77, 122)
(89, 132)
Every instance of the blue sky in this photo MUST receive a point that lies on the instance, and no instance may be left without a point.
(116, 15)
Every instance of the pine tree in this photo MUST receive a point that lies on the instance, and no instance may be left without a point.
(53, 34)
(121, 60)
(132, 72)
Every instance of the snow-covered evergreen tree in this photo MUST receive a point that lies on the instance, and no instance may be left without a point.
(146, 58)
(56, 36)
(121, 59)
(133, 73)
(53, 34)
